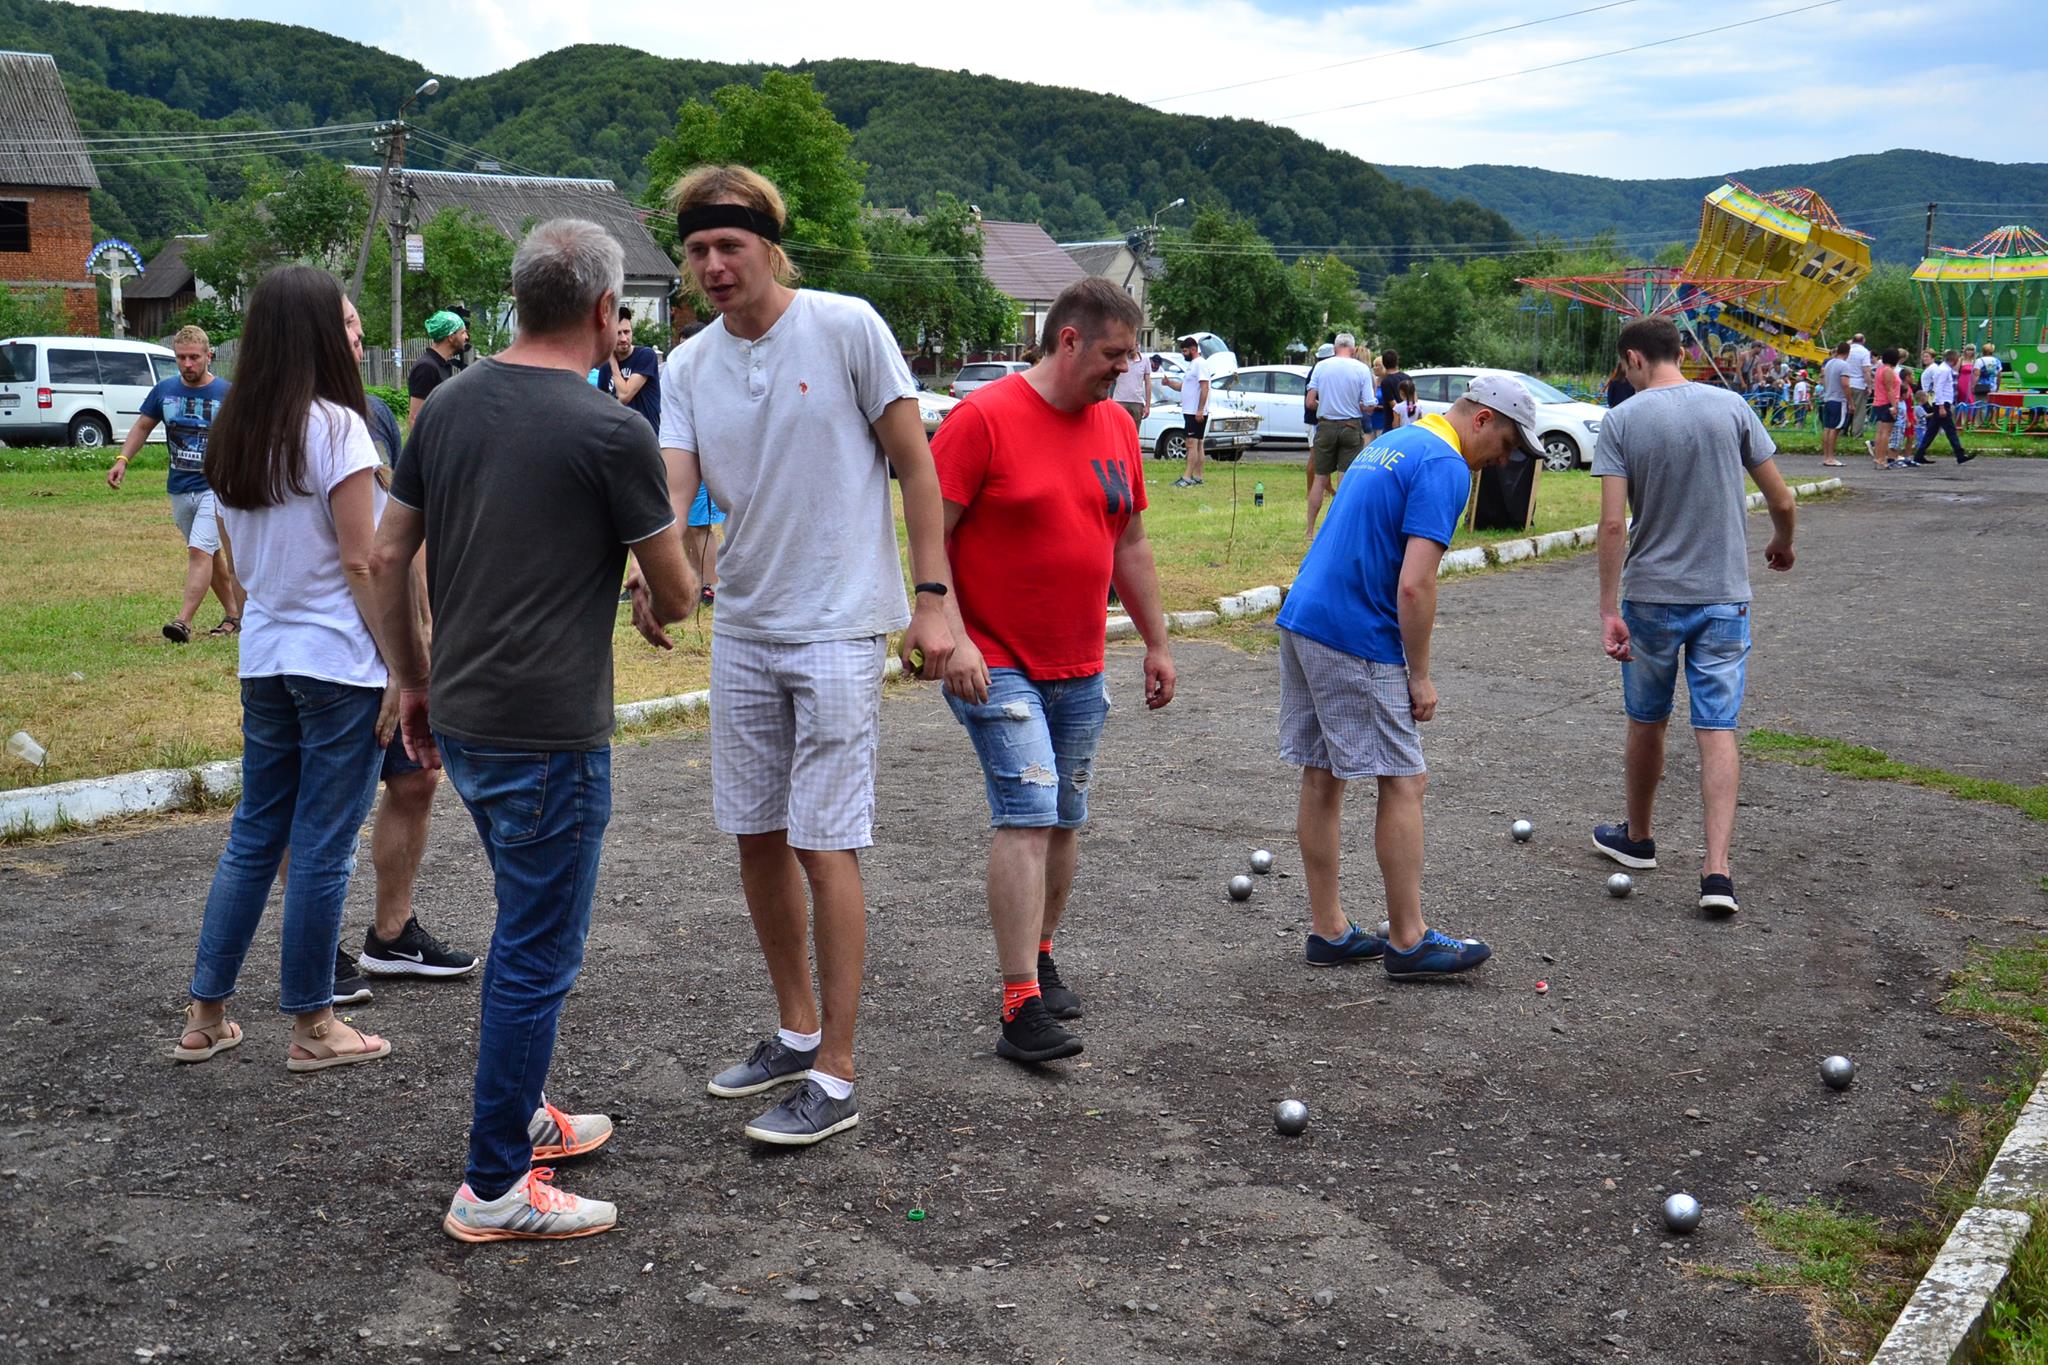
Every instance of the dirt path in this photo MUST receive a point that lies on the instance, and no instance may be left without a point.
(1481, 1176)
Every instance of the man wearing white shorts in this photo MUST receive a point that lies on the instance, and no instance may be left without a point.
(792, 408)
(1354, 665)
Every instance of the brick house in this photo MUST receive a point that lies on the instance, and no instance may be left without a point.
(46, 183)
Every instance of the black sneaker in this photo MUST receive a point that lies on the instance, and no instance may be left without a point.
(1613, 841)
(1717, 892)
(1060, 1002)
(349, 986)
(1966, 457)
(1031, 1036)
(415, 952)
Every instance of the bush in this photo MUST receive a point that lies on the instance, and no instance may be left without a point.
(32, 312)
(394, 398)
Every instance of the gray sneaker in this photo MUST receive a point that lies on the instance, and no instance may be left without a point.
(771, 1063)
(809, 1115)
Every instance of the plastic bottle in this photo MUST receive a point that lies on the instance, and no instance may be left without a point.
(1258, 495)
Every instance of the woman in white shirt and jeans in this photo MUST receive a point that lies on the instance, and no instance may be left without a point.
(294, 472)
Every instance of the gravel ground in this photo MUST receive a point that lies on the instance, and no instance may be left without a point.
(1481, 1175)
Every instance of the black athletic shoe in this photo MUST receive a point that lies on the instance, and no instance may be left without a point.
(415, 952)
(1966, 457)
(1717, 893)
(349, 986)
(1615, 842)
(1033, 1037)
(1060, 1002)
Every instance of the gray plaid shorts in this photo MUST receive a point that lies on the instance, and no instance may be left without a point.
(1345, 714)
(795, 729)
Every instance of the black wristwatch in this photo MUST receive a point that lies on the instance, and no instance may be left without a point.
(939, 588)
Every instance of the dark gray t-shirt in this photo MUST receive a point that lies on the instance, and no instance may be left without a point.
(1684, 450)
(532, 484)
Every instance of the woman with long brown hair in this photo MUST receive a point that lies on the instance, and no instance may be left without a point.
(291, 463)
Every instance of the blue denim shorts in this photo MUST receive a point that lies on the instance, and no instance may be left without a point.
(1715, 641)
(1036, 742)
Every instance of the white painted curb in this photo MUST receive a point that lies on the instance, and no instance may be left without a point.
(1943, 1321)
(94, 800)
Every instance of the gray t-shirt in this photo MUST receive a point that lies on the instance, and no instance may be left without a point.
(1834, 380)
(1684, 450)
(782, 430)
(1344, 388)
(533, 484)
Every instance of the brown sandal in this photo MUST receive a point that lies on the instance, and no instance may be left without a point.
(325, 1054)
(229, 625)
(222, 1034)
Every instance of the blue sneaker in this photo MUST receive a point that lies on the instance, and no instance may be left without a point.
(1435, 954)
(1356, 945)
(1613, 841)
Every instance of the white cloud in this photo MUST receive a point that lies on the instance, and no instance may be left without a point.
(1837, 80)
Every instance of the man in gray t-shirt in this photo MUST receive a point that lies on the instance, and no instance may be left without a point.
(1340, 393)
(533, 486)
(1836, 398)
(1674, 586)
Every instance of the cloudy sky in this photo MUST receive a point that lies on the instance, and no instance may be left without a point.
(1782, 81)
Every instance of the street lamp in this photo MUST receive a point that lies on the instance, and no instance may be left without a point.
(1164, 208)
(429, 86)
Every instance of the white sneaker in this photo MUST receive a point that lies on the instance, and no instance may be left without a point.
(558, 1136)
(532, 1210)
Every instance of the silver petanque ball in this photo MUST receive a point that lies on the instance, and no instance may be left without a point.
(1620, 884)
(1837, 1071)
(1681, 1213)
(1521, 829)
(1262, 860)
(1386, 928)
(1240, 887)
(1290, 1118)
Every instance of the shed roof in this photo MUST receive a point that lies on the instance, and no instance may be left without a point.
(1025, 263)
(512, 203)
(39, 138)
(167, 275)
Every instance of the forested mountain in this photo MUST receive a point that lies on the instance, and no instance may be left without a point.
(1083, 164)
(1884, 194)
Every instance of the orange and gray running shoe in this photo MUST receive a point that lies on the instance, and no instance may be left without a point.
(532, 1210)
(558, 1136)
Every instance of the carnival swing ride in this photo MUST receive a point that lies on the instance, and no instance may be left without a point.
(1994, 292)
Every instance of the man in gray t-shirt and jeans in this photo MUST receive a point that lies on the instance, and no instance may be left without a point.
(520, 452)
(1675, 584)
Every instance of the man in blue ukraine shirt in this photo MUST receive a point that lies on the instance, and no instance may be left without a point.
(1354, 664)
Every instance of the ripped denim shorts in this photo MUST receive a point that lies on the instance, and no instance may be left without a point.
(1036, 741)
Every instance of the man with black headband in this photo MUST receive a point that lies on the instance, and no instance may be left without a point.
(792, 408)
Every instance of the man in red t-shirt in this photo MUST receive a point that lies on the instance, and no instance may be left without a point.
(1044, 484)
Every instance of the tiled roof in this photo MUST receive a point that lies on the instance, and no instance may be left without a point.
(1025, 263)
(513, 203)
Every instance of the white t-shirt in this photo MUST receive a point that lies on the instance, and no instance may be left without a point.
(1192, 374)
(1859, 366)
(301, 618)
(782, 430)
(1344, 388)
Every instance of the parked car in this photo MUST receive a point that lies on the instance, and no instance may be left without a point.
(81, 391)
(1232, 430)
(1568, 427)
(933, 408)
(1277, 393)
(983, 372)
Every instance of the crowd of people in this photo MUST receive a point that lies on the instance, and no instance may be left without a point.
(398, 623)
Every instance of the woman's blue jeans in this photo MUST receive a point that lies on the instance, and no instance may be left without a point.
(310, 761)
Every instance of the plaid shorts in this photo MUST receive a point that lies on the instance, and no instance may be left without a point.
(1349, 715)
(795, 729)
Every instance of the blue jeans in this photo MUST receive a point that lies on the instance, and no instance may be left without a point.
(309, 774)
(1715, 642)
(1036, 741)
(541, 817)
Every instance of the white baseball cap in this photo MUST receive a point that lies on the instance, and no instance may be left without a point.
(1508, 398)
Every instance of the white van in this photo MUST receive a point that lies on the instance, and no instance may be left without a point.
(80, 391)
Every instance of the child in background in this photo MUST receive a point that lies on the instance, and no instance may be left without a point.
(1407, 411)
(1802, 400)
(1907, 427)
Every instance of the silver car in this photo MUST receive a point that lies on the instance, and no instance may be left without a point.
(982, 373)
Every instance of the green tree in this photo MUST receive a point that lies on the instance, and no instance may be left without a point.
(1424, 313)
(1885, 308)
(32, 312)
(1328, 290)
(928, 283)
(468, 263)
(782, 129)
(1225, 278)
(318, 216)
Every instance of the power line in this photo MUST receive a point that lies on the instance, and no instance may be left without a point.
(1398, 52)
(1569, 61)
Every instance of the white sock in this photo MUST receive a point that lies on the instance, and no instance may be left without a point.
(832, 1085)
(800, 1042)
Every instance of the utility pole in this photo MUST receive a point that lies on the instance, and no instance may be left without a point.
(393, 134)
(1926, 250)
(401, 221)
